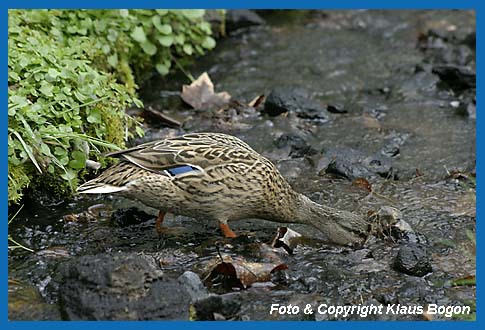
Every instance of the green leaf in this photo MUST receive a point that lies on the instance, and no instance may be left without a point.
(46, 89)
(161, 12)
(94, 116)
(188, 49)
(124, 13)
(179, 39)
(149, 48)
(165, 29)
(69, 175)
(78, 160)
(193, 13)
(139, 131)
(208, 42)
(205, 27)
(113, 60)
(44, 149)
(166, 41)
(162, 28)
(162, 69)
(13, 75)
(58, 151)
(139, 34)
(52, 75)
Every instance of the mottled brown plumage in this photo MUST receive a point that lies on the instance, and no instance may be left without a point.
(227, 180)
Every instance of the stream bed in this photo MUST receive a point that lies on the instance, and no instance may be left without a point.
(374, 110)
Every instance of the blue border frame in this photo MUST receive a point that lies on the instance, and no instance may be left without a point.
(286, 4)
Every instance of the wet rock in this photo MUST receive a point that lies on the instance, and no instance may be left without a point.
(193, 285)
(285, 99)
(402, 231)
(130, 216)
(242, 18)
(297, 146)
(412, 259)
(120, 286)
(26, 304)
(467, 109)
(441, 46)
(214, 306)
(458, 78)
(336, 108)
(353, 164)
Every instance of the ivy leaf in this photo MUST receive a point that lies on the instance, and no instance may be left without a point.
(193, 13)
(161, 12)
(78, 160)
(166, 41)
(162, 69)
(149, 48)
(69, 175)
(44, 149)
(113, 60)
(179, 39)
(165, 29)
(188, 49)
(94, 116)
(209, 42)
(124, 13)
(14, 76)
(46, 89)
(139, 34)
(162, 28)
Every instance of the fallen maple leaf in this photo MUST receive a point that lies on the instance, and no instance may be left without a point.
(245, 272)
(200, 94)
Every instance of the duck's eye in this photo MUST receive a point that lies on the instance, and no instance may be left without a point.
(180, 169)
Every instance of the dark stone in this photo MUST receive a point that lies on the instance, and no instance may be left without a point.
(353, 164)
(120, 286)
(458, 78)
(242, 18)
(336, 108)
(412, 259)
(285, 99)
(130, 216)
(227, 305)
(297, 145)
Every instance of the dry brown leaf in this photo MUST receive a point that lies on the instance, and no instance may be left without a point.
(245, 272)
(286, 238)
(362, 183)
(200, 94)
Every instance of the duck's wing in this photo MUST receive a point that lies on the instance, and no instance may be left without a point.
(199, 150)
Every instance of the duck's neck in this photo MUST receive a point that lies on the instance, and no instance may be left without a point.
(341, 227)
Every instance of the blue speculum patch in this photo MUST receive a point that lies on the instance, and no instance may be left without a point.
(180, 169)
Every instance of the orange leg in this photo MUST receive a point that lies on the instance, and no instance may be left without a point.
(158, 224)
(226, 230)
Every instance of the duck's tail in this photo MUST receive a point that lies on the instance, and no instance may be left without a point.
(114, 179)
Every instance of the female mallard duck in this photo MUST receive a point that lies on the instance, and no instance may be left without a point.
(220, 177)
